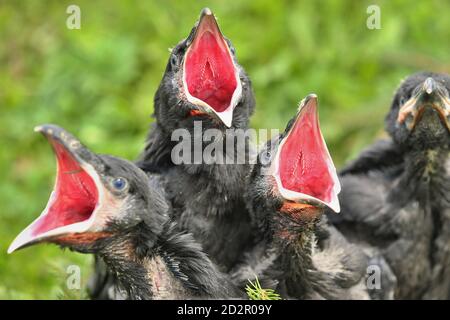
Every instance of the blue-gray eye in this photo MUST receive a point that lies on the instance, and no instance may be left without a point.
(265, 157)
(119, 183)
(173, 60)
(402, 101)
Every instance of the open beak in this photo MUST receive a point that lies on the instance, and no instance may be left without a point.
(303, 168)
(430, 97)
(210, 78)
(76, 196)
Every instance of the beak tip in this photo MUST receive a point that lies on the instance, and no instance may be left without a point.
(305, 102)
(429, 85)
(46, 129)
(13, 247)
(206, 12)
(311, 96)
(24, 239)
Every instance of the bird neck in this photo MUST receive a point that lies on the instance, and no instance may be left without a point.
(427, 166)
(129, 270)
(169, 266)
(303, 279)
(296, 261)
(136, 263)
(196, 149)
(424, 175)
(299, 230)
(427, 161)
(293, 232)
(294, 223)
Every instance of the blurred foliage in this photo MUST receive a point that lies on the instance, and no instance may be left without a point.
(98, 82)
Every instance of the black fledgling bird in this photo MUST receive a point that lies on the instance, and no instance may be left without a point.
(297, 253)
(204, 84)
(396, 195)
(108, 206)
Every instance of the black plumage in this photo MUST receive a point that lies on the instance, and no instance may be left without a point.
(130, 228)
(206, 198)
(297, 252)
(395, 195)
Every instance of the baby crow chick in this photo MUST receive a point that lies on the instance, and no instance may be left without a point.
(204, 86)
(396, 196)
(108, 206)
(298, 254)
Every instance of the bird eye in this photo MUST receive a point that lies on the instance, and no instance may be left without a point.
(173, 60)
(402, 101)
(265, 157)
(119, 184)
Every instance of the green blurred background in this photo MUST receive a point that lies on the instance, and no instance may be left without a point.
(98, 82)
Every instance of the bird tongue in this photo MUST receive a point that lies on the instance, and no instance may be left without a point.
(74, 197)
(209, 71)
(305, 168)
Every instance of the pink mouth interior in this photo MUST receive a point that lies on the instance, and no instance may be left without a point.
(75, 195)
(304, 164)
(209, 69)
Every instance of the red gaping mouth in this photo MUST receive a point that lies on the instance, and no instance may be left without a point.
(304, 168)
(210, 77)
(71, 204)
(75, 195)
